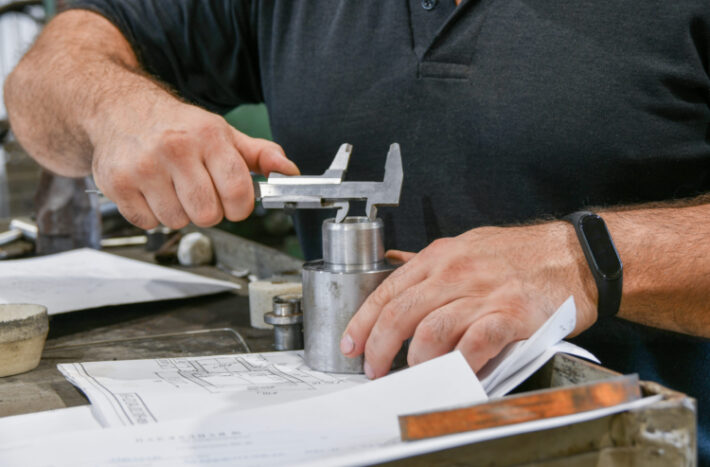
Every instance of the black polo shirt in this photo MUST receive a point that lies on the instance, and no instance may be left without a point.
(505, 111)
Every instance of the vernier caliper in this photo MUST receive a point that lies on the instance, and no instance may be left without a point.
(330, 191)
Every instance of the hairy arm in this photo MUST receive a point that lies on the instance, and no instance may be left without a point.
(491, 286)
(79, 104)
(666, 256)
(56, 95)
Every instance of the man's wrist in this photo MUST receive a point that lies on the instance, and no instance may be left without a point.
(602, 259)
(555, 266)
(144, 104)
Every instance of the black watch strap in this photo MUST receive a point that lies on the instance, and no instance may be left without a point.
(602, 258)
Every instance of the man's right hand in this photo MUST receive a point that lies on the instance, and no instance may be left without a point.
(79, 103)
(180, 163)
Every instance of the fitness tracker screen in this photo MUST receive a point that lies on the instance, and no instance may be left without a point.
(603, 251)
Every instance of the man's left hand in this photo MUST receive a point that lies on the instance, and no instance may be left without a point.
(477, 293)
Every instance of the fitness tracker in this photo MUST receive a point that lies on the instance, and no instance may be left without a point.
(602, 258)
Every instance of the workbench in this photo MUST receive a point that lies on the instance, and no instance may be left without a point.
(209, 325)
(660, 434)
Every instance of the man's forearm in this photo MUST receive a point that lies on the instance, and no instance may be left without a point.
(62, 91)
(666, 256)
(79, 104)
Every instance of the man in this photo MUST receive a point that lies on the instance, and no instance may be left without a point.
(508, 113)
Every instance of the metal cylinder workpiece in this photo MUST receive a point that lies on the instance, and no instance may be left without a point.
(356, 242)
(352, 267)
(287, 320)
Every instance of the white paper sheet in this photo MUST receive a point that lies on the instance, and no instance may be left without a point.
(517, 355)
(343, 422)
(86, 278)
(510, 382)
(135, 392)
(18, 428)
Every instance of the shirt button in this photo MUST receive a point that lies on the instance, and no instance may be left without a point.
(429, 4)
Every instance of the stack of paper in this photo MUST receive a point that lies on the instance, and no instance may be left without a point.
(271, 409)
(354, 418)
(350, 427)
(135, 392)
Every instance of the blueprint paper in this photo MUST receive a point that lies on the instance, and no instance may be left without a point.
(135, 392)
(342, 422)
(86, 278)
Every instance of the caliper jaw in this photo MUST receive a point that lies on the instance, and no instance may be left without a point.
(329, 191)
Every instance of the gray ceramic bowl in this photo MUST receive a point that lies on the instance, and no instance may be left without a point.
(23, 330)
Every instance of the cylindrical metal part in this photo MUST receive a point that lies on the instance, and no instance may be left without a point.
(356, 242)
(288, 337)
(353, 266)
(330, 299)
(285, 305)
(261, 298)
(287, 320)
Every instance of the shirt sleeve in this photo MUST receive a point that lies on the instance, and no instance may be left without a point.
(204, 49)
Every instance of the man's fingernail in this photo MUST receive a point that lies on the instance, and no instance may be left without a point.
(296, 170)
(346, 344)
(276, 154)
(368, 371)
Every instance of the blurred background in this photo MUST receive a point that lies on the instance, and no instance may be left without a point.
(20, 22)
